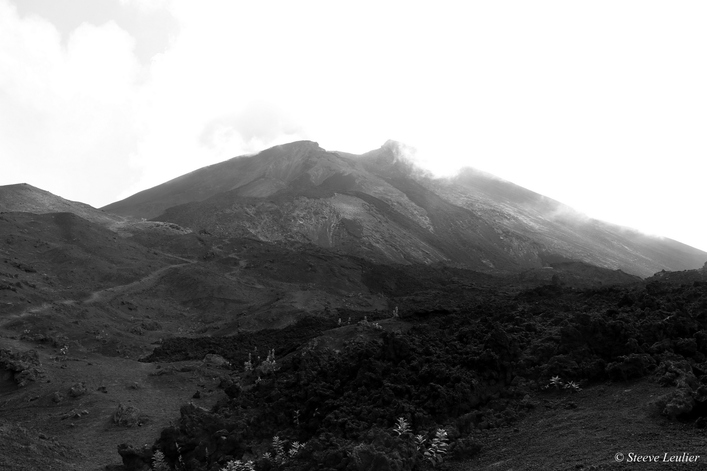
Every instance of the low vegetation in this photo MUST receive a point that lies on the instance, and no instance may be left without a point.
(416, 399)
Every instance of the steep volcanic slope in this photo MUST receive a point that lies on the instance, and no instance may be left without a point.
(381, 207)
(563, 231)
(27, 198)
(270, 172)
(339, 203)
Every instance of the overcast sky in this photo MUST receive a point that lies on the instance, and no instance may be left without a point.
(601, 105)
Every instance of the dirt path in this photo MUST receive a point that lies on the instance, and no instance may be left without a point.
(107, 294)
(35, 310)
(111, 293)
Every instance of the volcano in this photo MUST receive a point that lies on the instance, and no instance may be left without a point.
(381, 207)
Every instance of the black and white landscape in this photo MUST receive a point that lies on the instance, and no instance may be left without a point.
(363, 236)
(303, 308)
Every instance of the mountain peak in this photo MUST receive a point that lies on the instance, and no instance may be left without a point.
(259, 174)
(27, 198)
(393, 158)
(297, 151)
(305, 143)
(295, 148)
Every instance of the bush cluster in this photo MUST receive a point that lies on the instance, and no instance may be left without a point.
(460, 371)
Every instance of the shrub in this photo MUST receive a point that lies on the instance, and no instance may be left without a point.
(78, 390)
(630, 366)
(280, 456)
(437, 449)
(248, 365)
(238, 465)
(25, 366)
(269, 365)
(402, 427)
(126, 416)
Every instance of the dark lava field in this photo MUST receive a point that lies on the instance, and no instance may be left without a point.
(442, 349)
(468, 361)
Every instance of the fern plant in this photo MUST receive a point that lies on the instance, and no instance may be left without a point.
(295, 448)
(419, 442)
(248, 365)
(158, 462)
(402, 427)
(279, 447)
(238, 465)
(269, 365)
(438, 448)
(280, 456)
(556, 382)
(372, 325)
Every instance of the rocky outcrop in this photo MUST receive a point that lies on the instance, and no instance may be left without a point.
(22, 367)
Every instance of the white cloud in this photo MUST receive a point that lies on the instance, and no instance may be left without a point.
(147, 6)
(67, 119)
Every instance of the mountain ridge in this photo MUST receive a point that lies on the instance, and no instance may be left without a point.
(215, 178)
(381, 206)
(23, 197)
